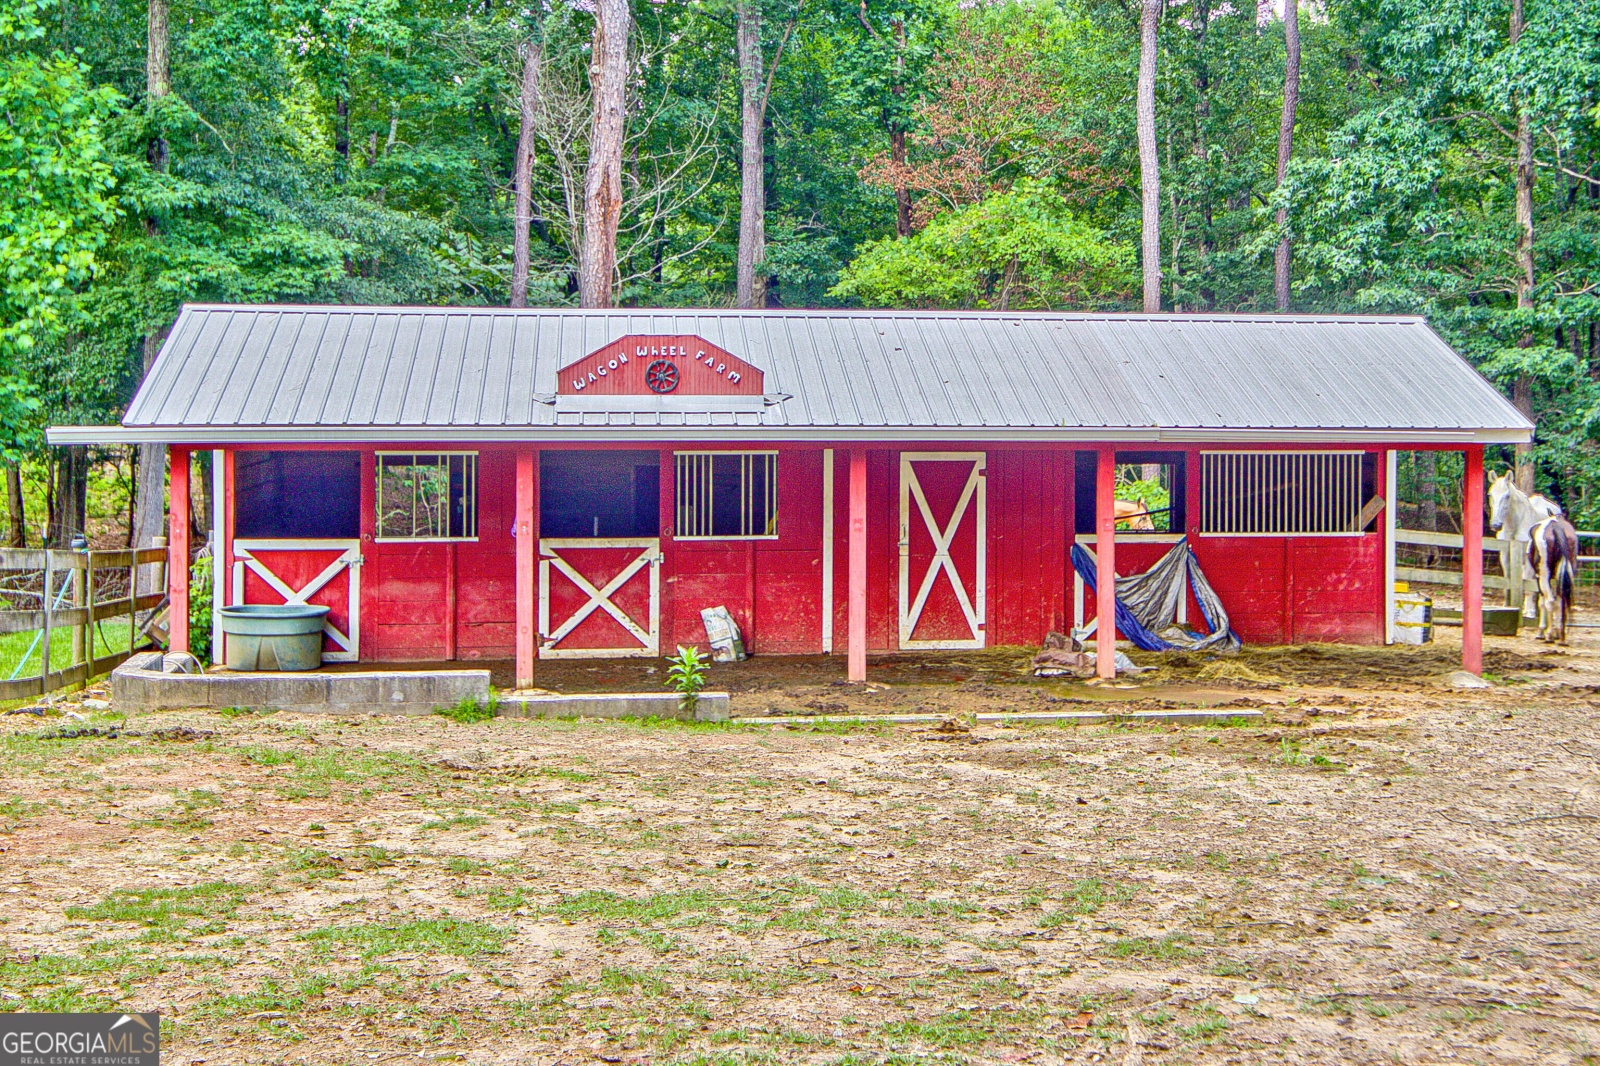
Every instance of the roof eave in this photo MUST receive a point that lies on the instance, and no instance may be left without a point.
(213, 436)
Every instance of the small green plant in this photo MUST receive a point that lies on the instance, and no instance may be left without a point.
(687, 677)
(200, 609)
(471, 710)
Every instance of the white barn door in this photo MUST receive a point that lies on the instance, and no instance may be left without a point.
(944, 539)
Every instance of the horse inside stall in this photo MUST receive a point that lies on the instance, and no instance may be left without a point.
(1513, 514)
(1133, 514)
(1553, 555)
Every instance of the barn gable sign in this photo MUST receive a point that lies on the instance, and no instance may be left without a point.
(661, 367)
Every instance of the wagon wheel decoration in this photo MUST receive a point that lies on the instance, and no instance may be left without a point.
(661, 376)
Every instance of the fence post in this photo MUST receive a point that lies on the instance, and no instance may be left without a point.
(79, 631)
(1515, 597)
(44, 667)
(88, 596)
(133, 600)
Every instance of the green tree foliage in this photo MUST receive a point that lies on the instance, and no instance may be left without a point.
(1020, 248)
(919, 153)
(56, 201)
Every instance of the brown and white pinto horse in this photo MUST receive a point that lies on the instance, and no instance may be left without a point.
(1553, 556)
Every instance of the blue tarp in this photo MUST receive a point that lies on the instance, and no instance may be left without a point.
(1147, 603)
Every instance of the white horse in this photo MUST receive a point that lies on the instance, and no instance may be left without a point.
(1512, 515)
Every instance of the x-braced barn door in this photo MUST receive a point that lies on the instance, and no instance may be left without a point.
(943, 549)
(605, 595)
(305, 571)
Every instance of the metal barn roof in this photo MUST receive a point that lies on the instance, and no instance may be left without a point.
(234, 374)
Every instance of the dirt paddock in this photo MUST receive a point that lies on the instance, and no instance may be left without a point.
(1385, 870)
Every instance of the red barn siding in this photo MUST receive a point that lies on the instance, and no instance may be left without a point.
(1276, 589)
(1029, 523)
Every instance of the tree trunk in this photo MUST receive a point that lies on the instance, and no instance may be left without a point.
(150, 493)
(1291, 101)
(200, 497)
(751, 289)
(1428, 491)
(523, 176)
(341, 132)
(70, 498)
(1522, 389)
(602, 191)
(1149, 166)
(19, 520)
(150, 490)
(157, 73)
(902, 195)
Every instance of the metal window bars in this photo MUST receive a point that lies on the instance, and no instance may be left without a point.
(696, 477)
(427, 496)
(1280, 493)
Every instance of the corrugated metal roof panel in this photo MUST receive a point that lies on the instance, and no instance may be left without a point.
(373, 367)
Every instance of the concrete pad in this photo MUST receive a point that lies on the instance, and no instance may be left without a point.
(711, 707)
(1175, 717)
(318, 692)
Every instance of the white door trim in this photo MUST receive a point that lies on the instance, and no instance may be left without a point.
(974, 606)
(827, 551)
(349, 558)
(599, 599)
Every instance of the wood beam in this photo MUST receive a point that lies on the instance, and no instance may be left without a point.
(1105, 508)
(527, 543)
(1472, 562)
(178, 552)
(858, 565)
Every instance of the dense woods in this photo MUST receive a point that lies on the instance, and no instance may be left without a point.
(1430, 156)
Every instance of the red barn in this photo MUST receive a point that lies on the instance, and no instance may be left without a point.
(480, 484)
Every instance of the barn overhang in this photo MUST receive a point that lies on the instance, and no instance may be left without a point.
(228, 436)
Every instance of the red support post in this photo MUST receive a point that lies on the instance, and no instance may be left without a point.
(1472, 563)
(858, 565)
(1105, 546)
(527, 529)
(178, 553)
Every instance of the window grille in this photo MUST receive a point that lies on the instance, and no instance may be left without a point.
(432, 496)
(1280, 493)
(727, 495)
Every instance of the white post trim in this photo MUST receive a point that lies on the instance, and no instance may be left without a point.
(827, 551)
(1391, 491)
(219, 579)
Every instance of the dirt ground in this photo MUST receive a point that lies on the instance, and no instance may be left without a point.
(1385, 870)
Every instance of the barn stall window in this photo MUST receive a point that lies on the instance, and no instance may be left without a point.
(297, 495)
(1261, 493)
(427, 495)
(1149, 492)
(727, 495)
(605, 493)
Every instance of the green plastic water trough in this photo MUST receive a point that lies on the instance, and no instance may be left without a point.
(284, 636)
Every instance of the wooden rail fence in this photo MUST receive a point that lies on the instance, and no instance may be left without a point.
(74, 592)
(1517, 585)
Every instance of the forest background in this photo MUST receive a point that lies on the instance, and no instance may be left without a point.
(1439, 157)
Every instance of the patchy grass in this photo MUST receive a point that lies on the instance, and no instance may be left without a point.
(168, 913)
(1174, 947)
(438, 936)
(321, 890)
(471, 711)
